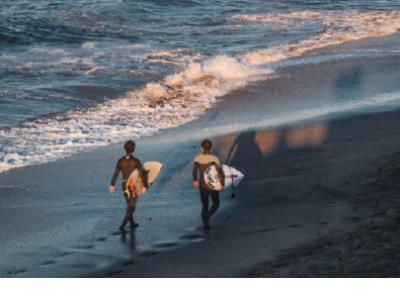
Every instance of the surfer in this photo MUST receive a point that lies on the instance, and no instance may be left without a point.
(127, 164)
(200, 164)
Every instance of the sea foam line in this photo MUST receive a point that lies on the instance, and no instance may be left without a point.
(178, 99)
(340, 27)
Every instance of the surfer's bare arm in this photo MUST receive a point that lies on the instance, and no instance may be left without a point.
(114, 178)
(194, 174)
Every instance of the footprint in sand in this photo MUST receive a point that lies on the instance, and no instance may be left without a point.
(378, 214)
(323, 223)
(63, 254)
(116, 233)
(192, 237)
(48, 263)
(85, 247)
(130, 262)
(262, 230)
(148, 253)
(80, 266)
(101, 239)
(294, 225)
(111, 273)
(165, 245)
(17, 272)
(352, 219)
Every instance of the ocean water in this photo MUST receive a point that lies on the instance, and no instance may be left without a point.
(76, 75)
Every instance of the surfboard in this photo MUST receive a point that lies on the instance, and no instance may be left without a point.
(152, 169)
(232, 178)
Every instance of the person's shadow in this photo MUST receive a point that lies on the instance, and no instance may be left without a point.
(245, 154)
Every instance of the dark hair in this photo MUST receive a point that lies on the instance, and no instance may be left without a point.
(206, 145)
(129, 146)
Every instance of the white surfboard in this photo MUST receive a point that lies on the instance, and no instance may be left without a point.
(152, 169)
(232, 177)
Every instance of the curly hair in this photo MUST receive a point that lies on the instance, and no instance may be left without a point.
(129, 146)
(206, 145)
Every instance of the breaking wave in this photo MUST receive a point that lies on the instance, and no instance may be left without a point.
(178, 99)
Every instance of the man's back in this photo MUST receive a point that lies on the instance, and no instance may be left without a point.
(201, 163)
(127, 164)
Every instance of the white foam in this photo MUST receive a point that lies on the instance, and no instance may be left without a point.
(88, 45)
(340, 27)
(178, 57)
(162, 55)
(178, 99)
(154, 90)
(227, 68)
(48, 51)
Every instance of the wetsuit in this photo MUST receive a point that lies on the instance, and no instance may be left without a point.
(127, 165)
(200, 164)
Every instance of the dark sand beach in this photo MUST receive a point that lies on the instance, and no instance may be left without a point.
(319, 198)
(317, 208)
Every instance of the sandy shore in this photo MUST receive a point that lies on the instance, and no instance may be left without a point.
(370, 249)
(305, 183)
(307, 188)
(309, 161)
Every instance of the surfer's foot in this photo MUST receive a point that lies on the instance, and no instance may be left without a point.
(206, 227)
(134, 225)
(122, 229)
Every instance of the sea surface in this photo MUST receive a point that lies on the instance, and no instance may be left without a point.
(77, 75)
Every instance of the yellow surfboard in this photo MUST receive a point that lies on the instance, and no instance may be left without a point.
(152, 169)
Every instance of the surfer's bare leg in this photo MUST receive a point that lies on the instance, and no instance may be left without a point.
(128, 216)
(130, 209)
(131, 220)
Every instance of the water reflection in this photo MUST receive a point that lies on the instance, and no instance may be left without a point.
(129, 239)
(252, 146)
(267, 141)
(309, 136)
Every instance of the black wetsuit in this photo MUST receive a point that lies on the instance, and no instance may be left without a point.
(127, 165)
(200, 164)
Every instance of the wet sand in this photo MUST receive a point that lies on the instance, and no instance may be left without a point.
(369, 249)
(303, 184)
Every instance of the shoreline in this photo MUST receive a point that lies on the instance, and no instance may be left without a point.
(282, 67)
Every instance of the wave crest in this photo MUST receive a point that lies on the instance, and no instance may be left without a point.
(178, 99)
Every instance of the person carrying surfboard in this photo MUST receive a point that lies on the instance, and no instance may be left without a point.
(200, 164)
(127, 165)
